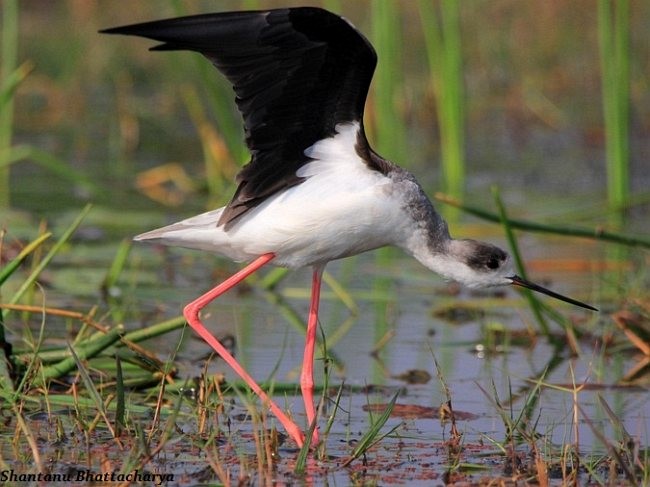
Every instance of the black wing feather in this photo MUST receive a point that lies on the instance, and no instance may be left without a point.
(296, 73)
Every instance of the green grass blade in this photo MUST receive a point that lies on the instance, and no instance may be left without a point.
(119, 397)
(10, 267)
(117, 266)
(335, 408)
(519, 263)
(341, 293)
(9, 85)
(32, 362)
(6, 384)
(46, 260)
(84, 351)
(453, 149)
(613, 37)
(539, 308)
(593, 234)
(68, 400)
(156, 330)
(370, 438)
(390, 130)
(109, 284)
(13, 154)
(301, 459)
(8, 61)
(91, 389)
(443, 45)
(273, 278)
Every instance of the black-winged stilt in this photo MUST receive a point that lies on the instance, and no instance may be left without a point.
(314, 190)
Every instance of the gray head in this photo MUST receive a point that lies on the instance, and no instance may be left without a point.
(479, 264)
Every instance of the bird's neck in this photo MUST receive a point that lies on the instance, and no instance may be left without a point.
(428, 242)
(433, 257)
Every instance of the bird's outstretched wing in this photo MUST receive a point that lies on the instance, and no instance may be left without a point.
(296, 73)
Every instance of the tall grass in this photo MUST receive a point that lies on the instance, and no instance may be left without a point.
(443, 44)
(11, 76)
(8, 51)
(614, 40)
(389, 129)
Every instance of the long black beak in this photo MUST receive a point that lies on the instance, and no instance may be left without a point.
(518, 281)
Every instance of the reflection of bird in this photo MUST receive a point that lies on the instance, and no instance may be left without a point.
(314, 190)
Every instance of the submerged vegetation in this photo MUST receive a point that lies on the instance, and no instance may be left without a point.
(98, 375)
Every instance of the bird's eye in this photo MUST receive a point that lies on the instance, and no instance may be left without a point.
(493, 263)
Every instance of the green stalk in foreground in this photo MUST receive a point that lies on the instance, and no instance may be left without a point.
(83, 352)
(519, 263)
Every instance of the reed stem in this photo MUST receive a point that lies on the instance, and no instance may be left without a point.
(8, 61)
(614, 40)
(443, 43)
(594, 234)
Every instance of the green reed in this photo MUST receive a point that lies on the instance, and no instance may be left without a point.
(443, 45)
(614, 40)
(11, 76)
(389, 128)
(596, 233)
(9, 55)
(519, 263)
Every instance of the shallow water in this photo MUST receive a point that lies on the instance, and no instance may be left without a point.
(264, 335)
(270, 347)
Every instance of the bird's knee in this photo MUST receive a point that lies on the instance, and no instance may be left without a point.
(191, 312)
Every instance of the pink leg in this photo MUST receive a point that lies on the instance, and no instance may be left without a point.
(191, 312)
(307, 375)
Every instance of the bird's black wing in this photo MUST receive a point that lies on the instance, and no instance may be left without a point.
(296, 72)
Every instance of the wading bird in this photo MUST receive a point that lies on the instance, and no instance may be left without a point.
(314, 190)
